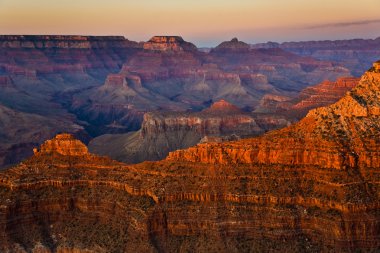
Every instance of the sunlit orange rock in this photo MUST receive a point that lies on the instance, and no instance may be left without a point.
(63, 144)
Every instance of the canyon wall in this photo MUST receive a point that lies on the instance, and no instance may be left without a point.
(161, 132)
(355, 54)
(310, 187)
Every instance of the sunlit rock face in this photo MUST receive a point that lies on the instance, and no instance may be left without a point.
(310, 187)
(351, 121)
(169, 43)
(95, 85)
(162, 132)
(63, 144)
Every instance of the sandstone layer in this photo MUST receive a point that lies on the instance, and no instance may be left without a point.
(105, 85)
(311, 187)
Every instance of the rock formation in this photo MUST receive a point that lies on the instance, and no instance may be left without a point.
(232, 46)
(342, 127)
(311, 187)
(106, 84)
(376, 66)
(63, 144)
(169, 43)
(356, 55)
(324, 94)
(162, 132)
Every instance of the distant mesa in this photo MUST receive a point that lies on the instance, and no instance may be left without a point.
(169, 43)
(65, 41)
(63, 144)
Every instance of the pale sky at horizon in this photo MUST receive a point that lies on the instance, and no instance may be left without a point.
(203, 22)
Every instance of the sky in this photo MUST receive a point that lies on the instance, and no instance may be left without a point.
(203, 22)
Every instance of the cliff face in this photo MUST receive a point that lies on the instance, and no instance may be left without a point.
(310, 187)
(63, 144)
(336, 136)
(325, 93)
(164, 132)
(106, 84)
(169, 43)
(171, 75)
(38, 75)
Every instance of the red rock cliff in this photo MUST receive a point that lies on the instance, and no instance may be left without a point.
(336, 136)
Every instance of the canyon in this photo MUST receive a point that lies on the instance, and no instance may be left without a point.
(309, 187)
(93, 85)
(162, 132)
(354, 54)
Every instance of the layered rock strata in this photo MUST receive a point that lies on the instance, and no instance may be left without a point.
(355, 54)
(311, 187)
(164, 132)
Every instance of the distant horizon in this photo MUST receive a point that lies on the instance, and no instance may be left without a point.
(205, 22)
(198, 46)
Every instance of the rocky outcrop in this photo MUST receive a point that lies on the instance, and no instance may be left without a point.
(106, 84)
(164, 132)
(169, 43)
(376, 67)
(63, 144)
(296, 107)
(331, 137)
(324, 94)
(311, 187)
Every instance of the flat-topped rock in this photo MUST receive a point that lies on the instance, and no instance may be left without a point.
(63, 144)
(169, 43)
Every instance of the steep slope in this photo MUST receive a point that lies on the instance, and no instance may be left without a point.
(88, 212)
(348, 127)
(323, 94)
(174, 76)
(164, 132)
(34, 73)
(311, 187)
